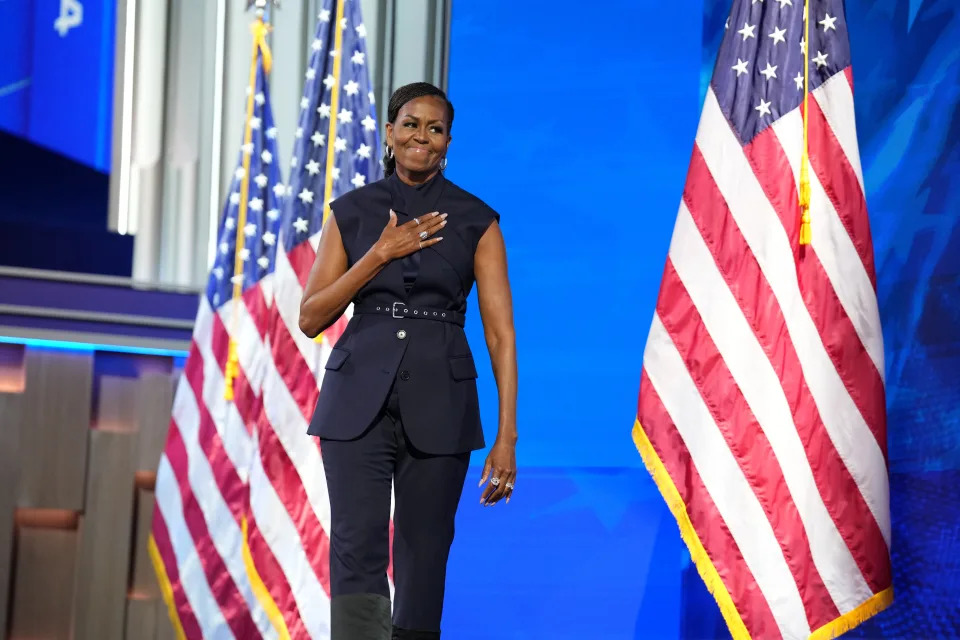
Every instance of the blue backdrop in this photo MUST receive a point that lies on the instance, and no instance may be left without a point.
(56, 80)
(577, 126)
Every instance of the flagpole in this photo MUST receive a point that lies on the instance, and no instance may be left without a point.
(259, 30)
(805, 234)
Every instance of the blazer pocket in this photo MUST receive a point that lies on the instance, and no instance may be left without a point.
(336, 358)
(463, 368)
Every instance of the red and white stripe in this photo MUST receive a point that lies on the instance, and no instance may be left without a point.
(763, 392)
(288, 491)
(201, 489)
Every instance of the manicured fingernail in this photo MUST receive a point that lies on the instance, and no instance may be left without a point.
(440, 238)
(444, 215)
(443, 224)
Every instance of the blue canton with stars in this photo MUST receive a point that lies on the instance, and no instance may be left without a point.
(356, 146)
(759, 72)
(265, 199)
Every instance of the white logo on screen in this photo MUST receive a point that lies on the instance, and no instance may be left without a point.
(71, 16)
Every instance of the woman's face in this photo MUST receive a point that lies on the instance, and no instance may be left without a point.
(420, 136)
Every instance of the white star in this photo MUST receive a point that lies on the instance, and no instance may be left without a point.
(329, 81)
(763, 107)
(250, 229)
(784, 3)
(369, 124)
(357, 57)
(358, 180)
(777, 35)
(343, 23)
(304, 102)
(279, 189)
(289, 190)
(313, 167)
(273, 214)
(311, 73)
(756, 1)
(254, 123)
(363, 151)
(269, 238)
(272, 133)
(317, 44)
(298, 133)
(237, 279)
(747, 31)
(803, 46)
(306, 196)
(740, 67)
(301, 225)
(239, 173)
(234, 198)
(260, 98)
(324, 110)
(345, 115)
(261, 180)
(799, 81)
(263, 261)
(318, 139)
(352, 88)
(244, 254)
(218, 273)
(224, 247)
(371, 98)
(334, 53)
(769, 72)
(294, 162)
(726, 25)
(828, 23)
(340, 144)
(266, 156)
(821, 59)
(256, 204)
(230, 223)
(335, 172)
(361, 30)
(324, 16)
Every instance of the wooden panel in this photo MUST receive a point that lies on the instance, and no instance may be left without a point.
(9, 470)
(164, 625)
(117, 404)
(44, 582)
(142, 619)
(144, 579)
(105, 534)
(54, 426)
(155, 401)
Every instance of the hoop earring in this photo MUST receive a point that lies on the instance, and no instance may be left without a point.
(443, 163)
(389, 151)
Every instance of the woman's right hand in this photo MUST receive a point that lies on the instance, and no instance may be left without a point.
(399, 241)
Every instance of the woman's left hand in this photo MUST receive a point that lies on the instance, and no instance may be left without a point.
(502, 462)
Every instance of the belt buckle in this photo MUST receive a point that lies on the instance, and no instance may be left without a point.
(393, 311)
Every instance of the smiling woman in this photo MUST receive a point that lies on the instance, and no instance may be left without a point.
(399, 403)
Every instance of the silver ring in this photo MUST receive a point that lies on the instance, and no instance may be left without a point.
(509, 485)
(417, 220)
(423, 235)
(495, 482)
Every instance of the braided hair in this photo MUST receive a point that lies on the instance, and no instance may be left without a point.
(402, 96)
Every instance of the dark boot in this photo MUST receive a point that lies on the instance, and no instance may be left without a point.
(360, 616)
(408, 634)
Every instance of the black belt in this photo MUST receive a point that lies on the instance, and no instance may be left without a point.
(403, 310)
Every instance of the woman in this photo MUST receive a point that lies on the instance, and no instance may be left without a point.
(398, 402)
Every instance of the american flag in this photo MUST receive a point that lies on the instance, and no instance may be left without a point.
(200, 521)
(761, 411)
(335, 150)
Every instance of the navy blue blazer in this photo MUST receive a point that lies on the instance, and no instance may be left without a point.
(407, 323)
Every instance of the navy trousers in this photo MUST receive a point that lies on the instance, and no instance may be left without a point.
(427, 491)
